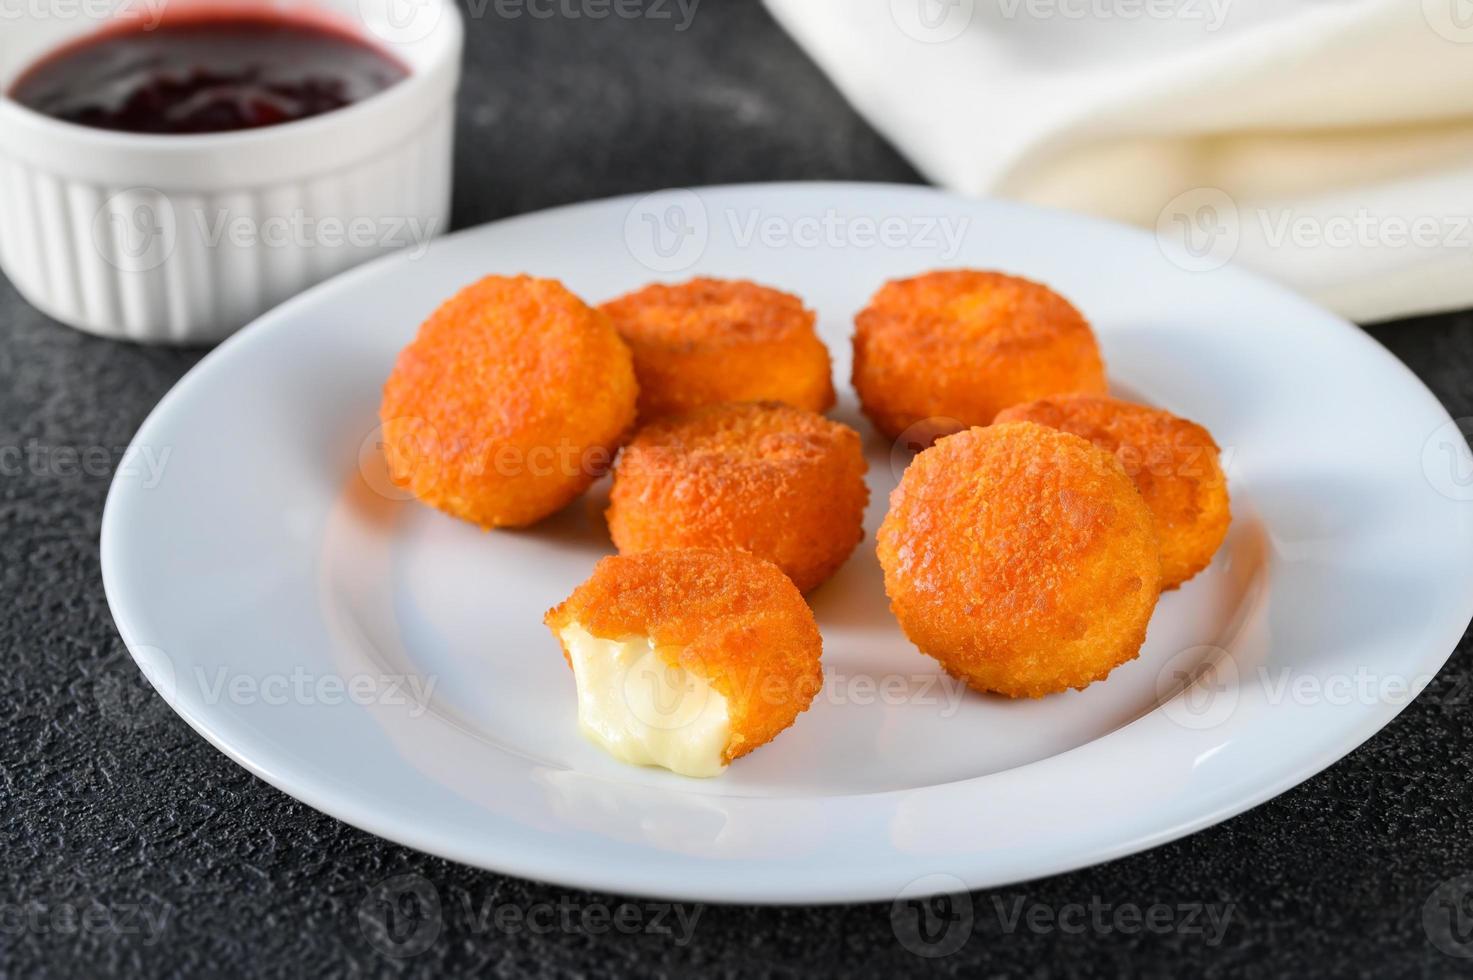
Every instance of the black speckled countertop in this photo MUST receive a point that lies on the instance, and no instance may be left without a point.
(137, 849)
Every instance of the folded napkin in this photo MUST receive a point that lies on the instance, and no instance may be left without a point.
(1326, 143)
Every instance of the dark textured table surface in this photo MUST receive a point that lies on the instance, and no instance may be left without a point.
(137, 849)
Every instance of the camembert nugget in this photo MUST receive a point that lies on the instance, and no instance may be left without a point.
(718, 340)
(688, 659)
(782, 483)
(510, 402)
(1022, 558)
(1173, 462)
(948, 350)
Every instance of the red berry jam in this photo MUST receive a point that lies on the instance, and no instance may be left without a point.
(207, 75)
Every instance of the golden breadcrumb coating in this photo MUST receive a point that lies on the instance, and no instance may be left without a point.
(1173, 462)
(949, 350)
(782, 483)
(510, 402)
(1022, 558)
(716, 340)
(728, 617)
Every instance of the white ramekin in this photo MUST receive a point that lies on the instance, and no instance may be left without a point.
(184, 239)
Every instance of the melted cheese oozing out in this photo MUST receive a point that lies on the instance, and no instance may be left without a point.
(644, 711)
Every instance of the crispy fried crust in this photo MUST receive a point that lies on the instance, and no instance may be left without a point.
(510, 402)
(782, 483)
(727, 616)
(1173, 462)
(949, 350)
(1022, 558)
(714, 340)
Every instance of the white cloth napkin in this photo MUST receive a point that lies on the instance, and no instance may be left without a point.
(1326, 143)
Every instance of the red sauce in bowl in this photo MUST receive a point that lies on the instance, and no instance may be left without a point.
(210, 74)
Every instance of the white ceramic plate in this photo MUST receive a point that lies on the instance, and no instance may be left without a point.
(282, 599)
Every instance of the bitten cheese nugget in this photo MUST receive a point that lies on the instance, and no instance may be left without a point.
(948, 350)
(510, 402)
(1173, 462)
(1022, 558)
(716, 340)
(688, 659)
(782, 483)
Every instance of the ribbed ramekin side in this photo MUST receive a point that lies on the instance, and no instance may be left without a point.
(156, 265)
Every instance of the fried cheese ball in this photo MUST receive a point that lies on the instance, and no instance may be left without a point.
(1173, 462)
(949, 350)
(717, 340)
(512, 399)
(785, 484)
(1022, 558)
(688, 659)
